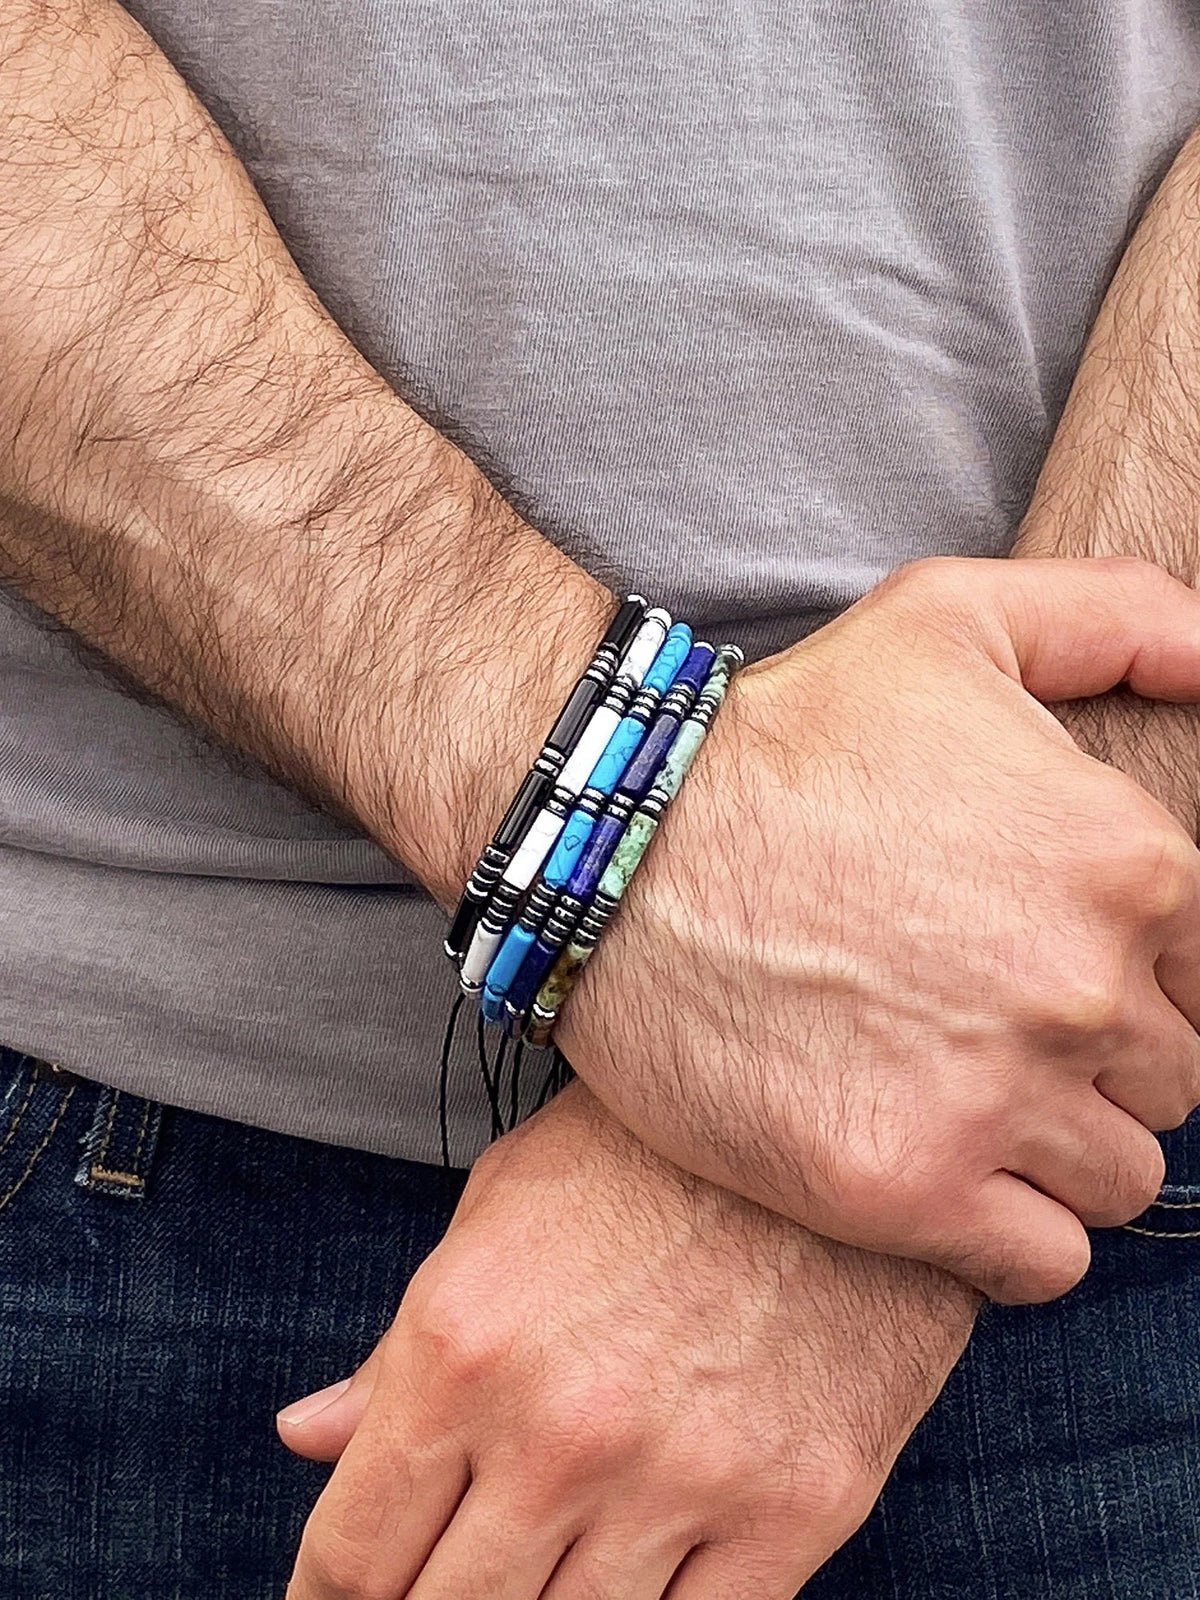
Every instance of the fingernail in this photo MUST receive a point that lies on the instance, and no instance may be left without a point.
(305, 1410)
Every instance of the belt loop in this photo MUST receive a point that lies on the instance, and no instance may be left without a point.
(119, 1147)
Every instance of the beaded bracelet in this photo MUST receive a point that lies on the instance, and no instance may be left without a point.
(562, 739)
(575, 830)
(571, 839)
(631, 848)
(541, 833)
(564, 894)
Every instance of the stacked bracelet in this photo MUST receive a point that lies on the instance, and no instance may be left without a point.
(631, 849)
(577, 826)
(530, 797)
(580, 822)
(543, 829)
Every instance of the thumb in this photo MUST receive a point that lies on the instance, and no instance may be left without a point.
(1074, 628)
(322, 1424)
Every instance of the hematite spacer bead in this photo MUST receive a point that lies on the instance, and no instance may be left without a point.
(645, 704)
(678, 701)
(595, 919)
(540, 1018)
(505, 900)
(561, 923)
(538, 906)
(620, 695)
(592, 801)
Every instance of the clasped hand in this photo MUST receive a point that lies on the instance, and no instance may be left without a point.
(905, 964)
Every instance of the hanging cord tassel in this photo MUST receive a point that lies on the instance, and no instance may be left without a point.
(489, 1081)
(444, 1078)
(514, 1087)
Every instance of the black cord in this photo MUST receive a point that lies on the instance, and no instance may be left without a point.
(498, 1080)
(514, 1087)
(489, 1082)
(444, 1079)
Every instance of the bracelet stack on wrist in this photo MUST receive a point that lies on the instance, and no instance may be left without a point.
(555, 870)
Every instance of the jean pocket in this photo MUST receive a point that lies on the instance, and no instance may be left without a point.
(1175, 1214)
(31, 1112)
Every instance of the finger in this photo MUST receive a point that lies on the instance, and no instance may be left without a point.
(1017, 1246)
(321, 1425)
(620, 1564)
(1161, 1087)
(494, 1548)
(385, 1508)
(1079, 627)
(723, 1572)
(1096, 1160)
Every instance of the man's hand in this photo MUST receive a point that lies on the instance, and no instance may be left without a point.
(906, 964)
(624, 1378)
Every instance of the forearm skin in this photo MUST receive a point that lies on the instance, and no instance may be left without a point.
(201, 477)
(1123, 477)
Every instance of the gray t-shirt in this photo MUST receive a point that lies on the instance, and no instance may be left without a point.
(755, 300)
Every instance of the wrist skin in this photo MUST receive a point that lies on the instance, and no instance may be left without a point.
(203, 479)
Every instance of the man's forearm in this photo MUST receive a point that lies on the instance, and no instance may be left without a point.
(1123, 477)
(202, 478)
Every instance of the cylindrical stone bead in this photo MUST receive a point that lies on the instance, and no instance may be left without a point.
(528, 980)
(670, 658)
(535, 847)
(507, 963)
(647, 642)
(527, 802)
(591, 864)
(606, 719)
(622, 627)
(572, 719)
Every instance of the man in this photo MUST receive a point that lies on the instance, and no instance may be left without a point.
(979, 973)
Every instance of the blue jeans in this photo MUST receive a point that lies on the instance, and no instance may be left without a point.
(167, 1281)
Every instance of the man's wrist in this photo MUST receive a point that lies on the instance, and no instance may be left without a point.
(450, 711)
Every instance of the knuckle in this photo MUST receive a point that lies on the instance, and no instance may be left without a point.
(1162, 1102)
(924, 581)
(466, 1349)
(840, 1491)
(580, 1429)
(1134, 568)
(1078, 1012)
(1025, 1267)
(1128, 565)
(1053, 1272)
(833, 1490)
(337, 1568)
(1154, 867)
